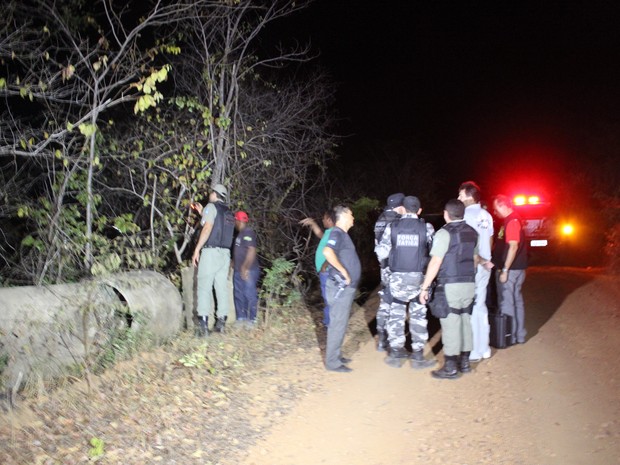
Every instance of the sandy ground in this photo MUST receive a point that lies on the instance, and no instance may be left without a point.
(552, 401)
(264, 397)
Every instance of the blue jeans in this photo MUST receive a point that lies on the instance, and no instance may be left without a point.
(323, 277)
(246, 295)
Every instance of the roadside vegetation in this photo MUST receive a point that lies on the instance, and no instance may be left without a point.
(118, 117)
(193, 400)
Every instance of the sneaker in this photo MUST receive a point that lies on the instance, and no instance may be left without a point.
(476, 358)
(341, 369)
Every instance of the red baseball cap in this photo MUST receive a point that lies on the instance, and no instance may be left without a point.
(242, 216)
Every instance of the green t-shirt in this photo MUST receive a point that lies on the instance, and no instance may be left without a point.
(319, 258)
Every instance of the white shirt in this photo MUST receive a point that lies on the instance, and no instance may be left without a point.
(482, 221)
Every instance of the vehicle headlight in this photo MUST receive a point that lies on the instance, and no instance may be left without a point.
(567, 229)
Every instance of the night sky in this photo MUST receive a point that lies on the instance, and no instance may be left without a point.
(481, 86)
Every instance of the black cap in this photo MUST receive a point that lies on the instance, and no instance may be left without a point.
(395, 200)
(411, 204)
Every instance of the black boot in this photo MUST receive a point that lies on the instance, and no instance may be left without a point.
(203, 326)
(396, 357)
(219, 324)
(448, 370)
(382, 342)
(464, 366)
(419, 362)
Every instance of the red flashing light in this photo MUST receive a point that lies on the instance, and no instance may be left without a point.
(525, 200)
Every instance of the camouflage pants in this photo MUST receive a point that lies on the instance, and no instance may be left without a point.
(385, 299)
(405, 287)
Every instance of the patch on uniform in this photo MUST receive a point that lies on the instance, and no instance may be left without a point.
(331, 242)
(247, 238)
(408, 240)
(484, 223)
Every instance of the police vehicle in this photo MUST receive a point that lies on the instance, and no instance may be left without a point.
(544, 227)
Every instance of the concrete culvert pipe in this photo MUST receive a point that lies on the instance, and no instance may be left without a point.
(153, 303)
(44, 331)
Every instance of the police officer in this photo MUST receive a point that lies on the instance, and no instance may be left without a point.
(453, 262)
(405, 244)
(391, 212)
(212, 257)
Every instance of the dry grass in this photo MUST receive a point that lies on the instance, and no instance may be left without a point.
(154, 409)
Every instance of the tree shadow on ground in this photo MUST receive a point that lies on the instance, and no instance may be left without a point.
(541, 302)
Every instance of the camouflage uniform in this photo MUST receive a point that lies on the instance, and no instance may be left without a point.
(385, 301)
(404, 288)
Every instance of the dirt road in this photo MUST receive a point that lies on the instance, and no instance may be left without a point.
(263, 397)
(552, 401)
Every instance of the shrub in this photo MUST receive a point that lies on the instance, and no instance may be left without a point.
(612, 248)
(278, 289)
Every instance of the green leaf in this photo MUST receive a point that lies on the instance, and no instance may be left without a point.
(87, 129)
(97, 449)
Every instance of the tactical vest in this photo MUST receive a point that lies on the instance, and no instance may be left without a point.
(223, 228)
(387, 217)
(409, 250)
(500, 250)
(458, 263)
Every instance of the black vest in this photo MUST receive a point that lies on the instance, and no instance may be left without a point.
(500, 250)
(458, 263)
(409, 250)
(223, 228)
(387, 217)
